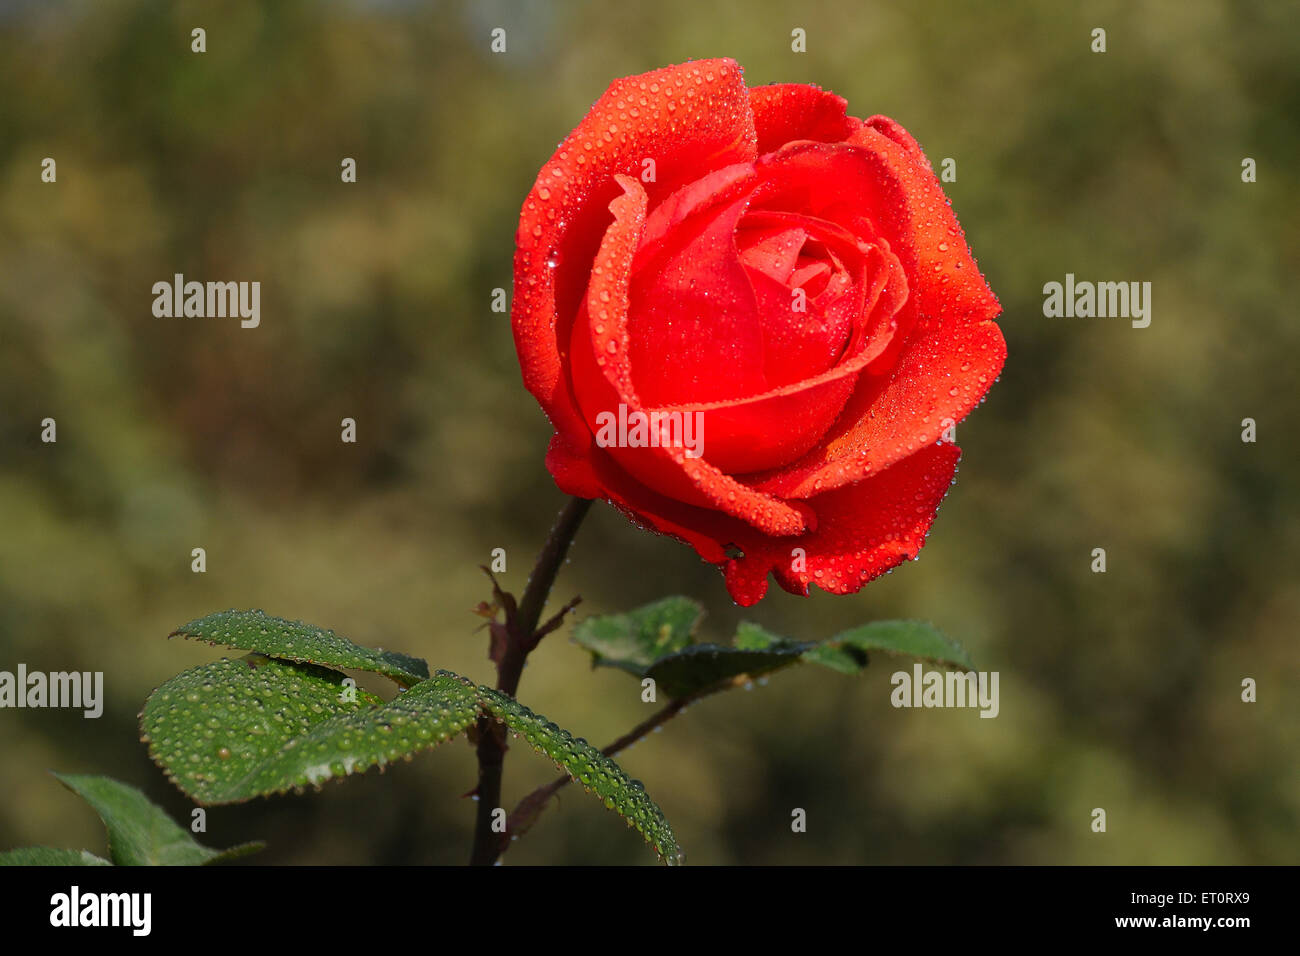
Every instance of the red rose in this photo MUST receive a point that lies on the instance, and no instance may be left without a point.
(756, 269)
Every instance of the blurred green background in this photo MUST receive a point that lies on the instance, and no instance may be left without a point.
(1118, 690)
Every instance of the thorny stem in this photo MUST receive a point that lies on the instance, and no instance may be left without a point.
(523, 637)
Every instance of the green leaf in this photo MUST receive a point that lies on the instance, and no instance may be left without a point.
(140, 833)
(846, 652)
(50, 856)
(635, 640)
(657, 641)
(753, 637)
(232, 730)
(701, 666)
(844, 659)
(296, 641)
(910, 638)
(597, 773)
(236, 729)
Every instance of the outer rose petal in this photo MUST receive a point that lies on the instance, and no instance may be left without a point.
(705, 530)
(785, 112)
(891, 130)
(691, 119)
(863, 530)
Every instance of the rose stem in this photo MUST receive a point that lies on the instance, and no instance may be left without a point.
(522, 639)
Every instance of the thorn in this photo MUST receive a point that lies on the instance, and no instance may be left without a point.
(556, 620)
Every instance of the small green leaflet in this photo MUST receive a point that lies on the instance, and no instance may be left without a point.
(635, 640)
(702, 666)
(50, 856)
(140, 833)
(908, 638)
(232, 730)
(296, 641)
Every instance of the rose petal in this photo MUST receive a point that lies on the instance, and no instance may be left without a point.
(704, 529)
(689, 119)
(952, 351)
(891, 130)
(603, 381)
(768, 430)
(770, 246)
(863, 530)
(798, 345)
(693, 322)
(784, 112)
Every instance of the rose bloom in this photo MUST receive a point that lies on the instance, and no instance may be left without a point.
(783, 293)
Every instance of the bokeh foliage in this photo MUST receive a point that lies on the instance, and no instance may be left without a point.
(1119, 690)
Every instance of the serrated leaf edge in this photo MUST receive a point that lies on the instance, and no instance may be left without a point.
(515, 716)
(404, 679)
(318, 784)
